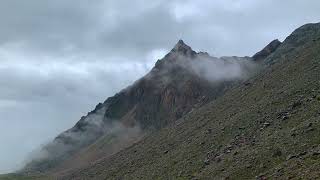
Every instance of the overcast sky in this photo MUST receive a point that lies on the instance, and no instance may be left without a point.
(59, 58)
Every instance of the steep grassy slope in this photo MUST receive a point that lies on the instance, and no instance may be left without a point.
(268, 127)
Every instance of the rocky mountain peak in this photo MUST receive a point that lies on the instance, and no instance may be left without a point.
(269, 49)
(182, 48)
(181, 45)
(180, 51)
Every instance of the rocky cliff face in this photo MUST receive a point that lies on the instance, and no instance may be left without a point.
(181, 81)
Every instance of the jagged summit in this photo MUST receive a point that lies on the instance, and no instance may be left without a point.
(182, 48)
(178, 52)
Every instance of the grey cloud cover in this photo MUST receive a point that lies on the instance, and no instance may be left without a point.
(58, 58)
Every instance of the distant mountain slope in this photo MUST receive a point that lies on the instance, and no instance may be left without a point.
(181, 81)
(266, 128)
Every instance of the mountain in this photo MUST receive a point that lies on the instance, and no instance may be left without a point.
(194, 116)
(182, 81)
(265, 128)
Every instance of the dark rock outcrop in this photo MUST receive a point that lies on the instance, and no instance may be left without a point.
(269, 49)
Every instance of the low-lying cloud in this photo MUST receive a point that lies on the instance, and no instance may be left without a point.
(71, 150)
(38, 101)
(222, 69)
